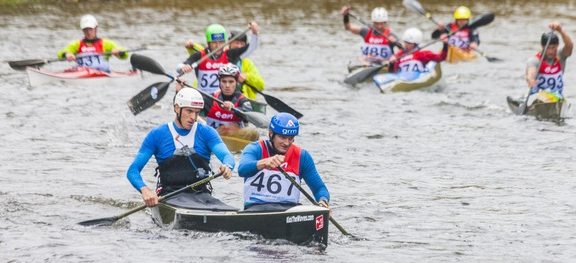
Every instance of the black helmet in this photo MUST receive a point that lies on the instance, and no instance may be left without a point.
(553, 41)
(242, 38)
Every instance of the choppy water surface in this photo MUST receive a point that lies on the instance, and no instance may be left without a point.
(447, 176)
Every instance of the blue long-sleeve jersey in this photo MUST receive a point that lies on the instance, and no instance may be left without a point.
(159, 142)
(253, 153)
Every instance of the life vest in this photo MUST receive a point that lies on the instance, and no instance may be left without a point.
(460, 39)
(183, 168)
(218, 116)
(409, 63)
(92, 55)
(377, 45)
(208, 72)
(270, 185)
(549, 76)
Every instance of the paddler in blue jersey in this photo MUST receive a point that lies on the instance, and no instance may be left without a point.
(207, 71)
(88, 52)
(263, 183)
(182, 149)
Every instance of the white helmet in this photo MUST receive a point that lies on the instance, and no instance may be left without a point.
(229, 70)
(189, 98)
(379, 14)
(88, 21)
(412, 35)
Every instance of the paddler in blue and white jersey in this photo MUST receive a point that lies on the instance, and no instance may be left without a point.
(207, 71)
(88, 52)
(377, 47)
(550, 74)
(263, 183)
(182, 149)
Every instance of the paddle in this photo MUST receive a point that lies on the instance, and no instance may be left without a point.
(312, 200)
(522, 109)
(107, 221)
(479, 21)
(416, 7)
(375, 30)
(22, 64)
(145, 99)
(368, 72)
(275, 103)
(148, 97)
(147, 64)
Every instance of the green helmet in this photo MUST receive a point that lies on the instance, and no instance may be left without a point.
(215, 32)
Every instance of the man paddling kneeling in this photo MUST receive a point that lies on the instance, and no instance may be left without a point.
(263, 182)
(182, 149)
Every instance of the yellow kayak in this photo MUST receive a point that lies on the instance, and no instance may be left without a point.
(456, 55)
(237, 138)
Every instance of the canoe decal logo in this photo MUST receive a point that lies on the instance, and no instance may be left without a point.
(319, 222)
(299, 218)
(154, 93)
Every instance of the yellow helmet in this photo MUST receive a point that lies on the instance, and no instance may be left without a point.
(462, 12)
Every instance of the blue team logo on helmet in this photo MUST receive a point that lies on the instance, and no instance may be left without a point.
(218, 37)
(284, 124)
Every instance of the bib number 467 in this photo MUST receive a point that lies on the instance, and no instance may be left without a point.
(272, 185)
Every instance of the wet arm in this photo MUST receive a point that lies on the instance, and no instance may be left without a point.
(137, 165)
(247, 166)
(313, 180)
(73, 48)
(108, 45)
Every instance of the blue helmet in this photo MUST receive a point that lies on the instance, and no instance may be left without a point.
(284, 124)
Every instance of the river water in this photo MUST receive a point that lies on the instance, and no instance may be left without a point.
(444, 176)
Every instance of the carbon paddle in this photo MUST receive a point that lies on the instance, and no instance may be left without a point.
(416, 7)
(150, 95)
(107, 221)
(276, 103)
(312, 200)
(22, 64)
(147, 64)
(523, 108)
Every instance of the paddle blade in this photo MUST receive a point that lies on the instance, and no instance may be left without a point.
(22, 64)
(258, 119)
(280, 106)
(363, 75)
(148, 97)
(147, 64)
(108, 221)
(482, 20)
(414, 6)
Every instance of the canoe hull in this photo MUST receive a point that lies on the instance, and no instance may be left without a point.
(81, 77)
(425, 80)
(551, 111)
(456, 55)
(237, 139)
(300, 224)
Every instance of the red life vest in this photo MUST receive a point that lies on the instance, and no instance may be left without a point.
(208, 72)
(377, 45)
(549, 76)
(219, 116)
(460, 39)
